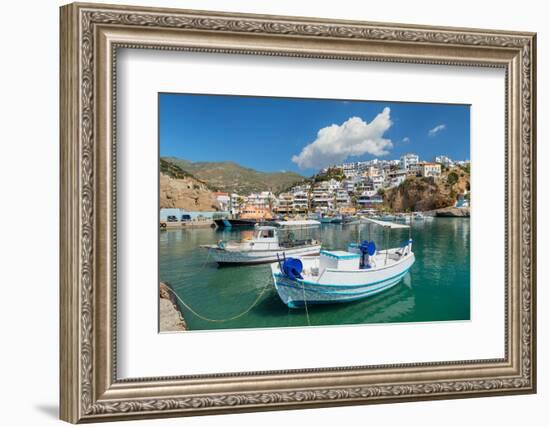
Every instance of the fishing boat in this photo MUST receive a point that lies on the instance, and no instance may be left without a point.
(342, 276)
(236, 223)
(265, 246)
(249, 217)
(325, 219)
(337, 220)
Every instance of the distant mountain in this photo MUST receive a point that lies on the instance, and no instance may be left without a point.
(233, 178)
(173, 171)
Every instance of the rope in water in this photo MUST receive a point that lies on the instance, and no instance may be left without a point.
(202, 267)
(305, 304)
(208, 319)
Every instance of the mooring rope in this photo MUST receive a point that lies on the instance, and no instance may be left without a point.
(208, 319)
(202, 267)
(305, 304)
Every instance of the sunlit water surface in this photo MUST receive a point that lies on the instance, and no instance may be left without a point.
(437, 288)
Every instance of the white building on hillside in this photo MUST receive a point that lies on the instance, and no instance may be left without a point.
(350, 169)
(285, 203)
(265, 199)
(431, 170)
(333, 184)
(443, 160)
(224, 200)
(377, 181)
(300, 203)
(236, 203)
(342, 198)
(369, 199)
(322, 199)
(408, 159)
(395, 178)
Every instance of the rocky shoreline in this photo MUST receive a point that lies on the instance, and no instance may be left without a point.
(450, 212)
(171, 317)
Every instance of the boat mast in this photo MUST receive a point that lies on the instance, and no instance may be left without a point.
(410, 225)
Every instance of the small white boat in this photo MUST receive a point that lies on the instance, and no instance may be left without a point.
(342, 276)
(418, 216)
(264, 247)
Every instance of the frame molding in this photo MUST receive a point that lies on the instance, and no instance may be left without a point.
(90, 37)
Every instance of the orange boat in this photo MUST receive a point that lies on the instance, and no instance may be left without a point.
(250, 216)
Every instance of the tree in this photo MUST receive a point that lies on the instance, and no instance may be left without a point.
(452, 178)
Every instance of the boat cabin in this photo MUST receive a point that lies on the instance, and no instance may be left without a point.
(266, 232)
(265, 237)
(338, 260)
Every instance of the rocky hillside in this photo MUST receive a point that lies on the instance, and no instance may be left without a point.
(425, 194)
(180, 189)
(233, 178)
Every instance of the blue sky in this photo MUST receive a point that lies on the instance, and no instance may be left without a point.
(303, 135)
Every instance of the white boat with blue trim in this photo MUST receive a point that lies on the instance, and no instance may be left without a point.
(342, 276)
(265, 246)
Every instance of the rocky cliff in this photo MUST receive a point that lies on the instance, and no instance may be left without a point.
(426, 194)
(171, 318)
(451, 212)
(186, 193)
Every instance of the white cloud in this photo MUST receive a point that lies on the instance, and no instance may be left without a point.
(354, 137)
(406, 139)
(437, 129)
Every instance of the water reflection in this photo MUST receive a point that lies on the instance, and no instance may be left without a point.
(437, 287)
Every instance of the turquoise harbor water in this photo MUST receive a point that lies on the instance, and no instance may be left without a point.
(436, 289)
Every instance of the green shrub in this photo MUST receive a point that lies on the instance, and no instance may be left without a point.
(452, 178)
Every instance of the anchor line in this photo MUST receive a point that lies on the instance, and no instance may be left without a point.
(203, 265)
(236, 316)
(199, 271)
(305, 304)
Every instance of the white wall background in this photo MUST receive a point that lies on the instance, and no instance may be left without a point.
(29, 170)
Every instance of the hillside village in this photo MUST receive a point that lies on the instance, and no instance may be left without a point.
(407, 183)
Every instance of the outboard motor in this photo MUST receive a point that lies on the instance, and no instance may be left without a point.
(406, 247)
(292, 268)
(367, 249)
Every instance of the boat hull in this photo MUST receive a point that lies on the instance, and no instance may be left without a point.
(226, 257)
(239, 223)
(359, 284)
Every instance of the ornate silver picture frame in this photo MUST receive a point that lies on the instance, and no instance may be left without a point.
(90, 36)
